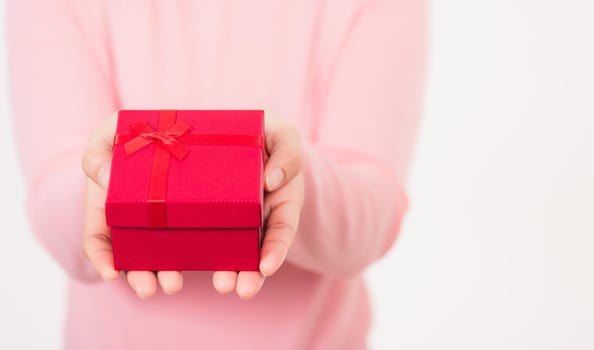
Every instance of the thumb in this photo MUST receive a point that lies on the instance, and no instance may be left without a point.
(96, 160)
(283, 144)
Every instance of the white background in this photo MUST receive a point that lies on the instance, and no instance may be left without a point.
(497, 251)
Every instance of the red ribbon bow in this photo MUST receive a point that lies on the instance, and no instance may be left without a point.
(167, 139)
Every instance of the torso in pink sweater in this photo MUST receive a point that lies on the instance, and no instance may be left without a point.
(347, 73)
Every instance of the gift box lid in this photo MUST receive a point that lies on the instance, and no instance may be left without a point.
(187, 169)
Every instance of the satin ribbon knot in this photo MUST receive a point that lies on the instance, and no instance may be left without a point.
(168, 139)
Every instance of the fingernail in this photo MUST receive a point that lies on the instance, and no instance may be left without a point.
(274, 178)
(108, 275)
(103, 176)
(266, 266)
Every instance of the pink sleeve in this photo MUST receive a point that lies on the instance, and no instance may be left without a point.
(60, 86)
(357, 162)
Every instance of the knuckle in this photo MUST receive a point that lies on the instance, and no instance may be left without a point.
(279, 243)
(280, 227)
(89, 162)
(94, 239)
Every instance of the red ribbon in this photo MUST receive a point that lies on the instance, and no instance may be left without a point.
(171, 138)
(168, 138)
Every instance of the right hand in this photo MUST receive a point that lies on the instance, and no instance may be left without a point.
(96, 163)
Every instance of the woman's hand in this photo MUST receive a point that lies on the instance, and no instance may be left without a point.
(283, 200)
(97, 236)
(282, 207)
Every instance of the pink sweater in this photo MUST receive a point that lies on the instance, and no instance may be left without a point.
(347, 73)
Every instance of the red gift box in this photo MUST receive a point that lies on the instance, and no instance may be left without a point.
(186, 190)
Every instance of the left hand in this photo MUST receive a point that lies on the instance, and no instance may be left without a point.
(283, 200)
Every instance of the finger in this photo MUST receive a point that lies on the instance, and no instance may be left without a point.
(282, 222)
(96, 233)
(280, 232)
(224, 281)
(249, 284)
(284, 147)
(171, 281)
(144, 283)
(96, 159)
